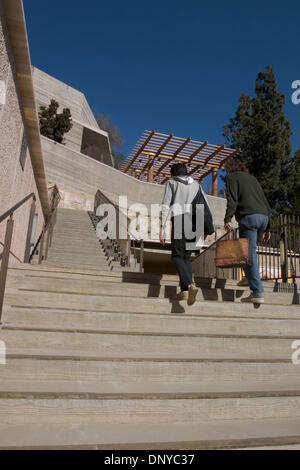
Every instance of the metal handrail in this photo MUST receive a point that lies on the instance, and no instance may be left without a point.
(216, 241)
(48, 227)
(16, 206)
(279, 259)
(131, 238)
(208, 266)
(8, 238)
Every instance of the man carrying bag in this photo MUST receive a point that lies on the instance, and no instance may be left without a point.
(247, 202)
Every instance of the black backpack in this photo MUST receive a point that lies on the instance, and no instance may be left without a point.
(208, 220)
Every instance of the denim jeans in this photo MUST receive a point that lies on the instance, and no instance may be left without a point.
(181, 257)
(252, 227)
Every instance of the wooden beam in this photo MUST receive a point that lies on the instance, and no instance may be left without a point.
(174, 156)
(140, 150)
(198, 150)
(196, 168)
(229, 157)
(205, 174)
(163, 145)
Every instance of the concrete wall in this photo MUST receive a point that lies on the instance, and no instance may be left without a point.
(15, 182)
(80, 177)
(48, 88)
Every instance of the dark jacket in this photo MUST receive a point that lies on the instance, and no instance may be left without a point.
(245, 196)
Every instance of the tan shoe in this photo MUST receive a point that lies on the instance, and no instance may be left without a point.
(183, 295)
(253, 300)
(192, 294)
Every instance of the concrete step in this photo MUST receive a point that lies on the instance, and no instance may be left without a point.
(141, 344)
(89, 245)
(78, 256)
(150, 322)
(93, 287)
(44, 373)
(72, 250)
(69, 264)
(143, 277)
(140, 277)
(91, 267)
(202, 435)
(148, 411)
(163, 390)
(113, 303)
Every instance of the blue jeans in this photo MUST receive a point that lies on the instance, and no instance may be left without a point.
(252, 227)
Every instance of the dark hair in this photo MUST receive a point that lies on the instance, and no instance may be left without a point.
(235, 165)
(178, 169)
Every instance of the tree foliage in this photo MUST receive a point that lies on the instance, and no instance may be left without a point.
(263, 133)
(53, 124)
(119, 158)
(106, 124)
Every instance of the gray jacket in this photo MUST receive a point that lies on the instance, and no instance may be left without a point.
(179, 191)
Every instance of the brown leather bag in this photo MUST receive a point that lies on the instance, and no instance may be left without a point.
(232, 253)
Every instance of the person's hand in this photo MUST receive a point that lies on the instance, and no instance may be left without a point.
(162, 236)
(228, 226)
(266, 237)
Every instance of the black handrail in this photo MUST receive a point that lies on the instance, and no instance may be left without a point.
(16, 206)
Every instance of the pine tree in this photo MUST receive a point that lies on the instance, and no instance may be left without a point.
(52, 124)
(262, 131)
(294, 174)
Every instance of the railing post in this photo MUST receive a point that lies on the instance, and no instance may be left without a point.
(41, 248)
(128, 251)
(47, 243)
(142, 257)
(283, 249)
(29, 232)
(5, 260)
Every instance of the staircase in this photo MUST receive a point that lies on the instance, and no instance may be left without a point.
(103, 358)
(74, 243)
(107, 360)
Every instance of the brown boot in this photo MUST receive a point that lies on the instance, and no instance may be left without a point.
(192, 294)
(183, 295)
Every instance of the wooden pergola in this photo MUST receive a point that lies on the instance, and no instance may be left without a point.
(154, 153)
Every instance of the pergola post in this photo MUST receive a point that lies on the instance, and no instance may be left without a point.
(151, 169)
(215, 182)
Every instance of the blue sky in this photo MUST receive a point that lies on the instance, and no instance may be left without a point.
(172, 66)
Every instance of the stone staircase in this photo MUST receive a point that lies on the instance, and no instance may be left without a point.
(107, 360)
(74, 243)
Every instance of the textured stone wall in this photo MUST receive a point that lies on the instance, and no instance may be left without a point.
(15, 182)
(80, 177)
(48, 88)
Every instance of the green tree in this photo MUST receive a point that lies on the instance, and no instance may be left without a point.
(263, 133)
(52, 124)
(294, 175)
